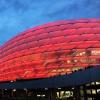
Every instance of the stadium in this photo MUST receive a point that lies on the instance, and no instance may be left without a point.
(54, 61)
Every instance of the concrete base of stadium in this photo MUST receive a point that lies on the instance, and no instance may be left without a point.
(90, 91)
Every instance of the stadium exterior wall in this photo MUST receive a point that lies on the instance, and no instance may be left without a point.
(52, 49)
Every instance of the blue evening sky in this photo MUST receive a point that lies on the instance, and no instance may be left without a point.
(19, 15)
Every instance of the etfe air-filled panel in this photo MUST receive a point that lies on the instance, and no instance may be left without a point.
(52, 49)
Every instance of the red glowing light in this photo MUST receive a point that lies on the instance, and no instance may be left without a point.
(51, 49)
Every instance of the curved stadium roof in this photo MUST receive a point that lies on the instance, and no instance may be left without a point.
(51, 49)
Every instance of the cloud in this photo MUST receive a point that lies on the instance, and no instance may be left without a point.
(19, 15)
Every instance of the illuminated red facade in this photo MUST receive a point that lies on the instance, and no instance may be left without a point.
(51, 49)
